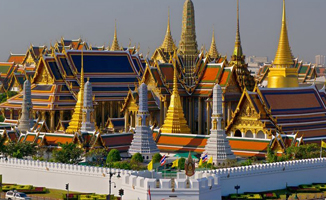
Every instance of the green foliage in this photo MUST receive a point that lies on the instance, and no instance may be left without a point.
(96, 157)
(20, 149)
(129, 165)
(5, 96)
(156, 158)
(113, 156)
(271, 157)
(293, 152)
(181, 163)
(137, 157)
(2, 118)
(69, 153)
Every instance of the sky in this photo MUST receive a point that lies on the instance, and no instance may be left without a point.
(40, 22)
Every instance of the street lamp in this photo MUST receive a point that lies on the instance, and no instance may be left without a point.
(237, 187)
(110, 179)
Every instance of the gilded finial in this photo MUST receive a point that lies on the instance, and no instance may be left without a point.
(213, 53)
(115, 43)
(283, 58)
(237, 53)
(168, 43)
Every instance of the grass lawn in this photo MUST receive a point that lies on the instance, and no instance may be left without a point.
(52, 193)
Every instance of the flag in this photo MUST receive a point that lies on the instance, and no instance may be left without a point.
(175, 163)
(210, 160)
(150, 166)
(163, 160)
(200, 162)
(323, 144)
(205, 158)
(149, 193)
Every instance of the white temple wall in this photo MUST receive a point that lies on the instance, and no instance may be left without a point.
(204, 185)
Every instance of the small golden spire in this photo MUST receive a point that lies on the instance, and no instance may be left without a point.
(237, 53)
(77, 117)
(115, 43)
(213, 53)
(168, 44)
(283, 58)
(175, 121)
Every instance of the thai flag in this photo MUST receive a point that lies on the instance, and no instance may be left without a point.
(163, 160)
(205, 158)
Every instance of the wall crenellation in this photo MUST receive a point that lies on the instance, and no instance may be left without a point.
(268, 168)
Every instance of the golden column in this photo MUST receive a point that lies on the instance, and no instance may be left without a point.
(11, 113)
(127, 120)
(52, 120)
(200, 116)
(283, 74)
(61, 114)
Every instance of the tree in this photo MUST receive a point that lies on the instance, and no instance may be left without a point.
(20, 149)
(137, 157)
(2, 144)
(156, 158)
(96, 157)
(69, 153)
(181, 163)
(271, 157)
(113, 156)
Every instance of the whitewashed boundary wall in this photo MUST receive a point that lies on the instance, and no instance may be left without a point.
(204, 185)
(136, 188)
(272, 176)
(56, 175)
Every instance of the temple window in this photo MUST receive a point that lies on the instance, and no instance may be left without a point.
(260, 134)
(237, 133)
(249, 134)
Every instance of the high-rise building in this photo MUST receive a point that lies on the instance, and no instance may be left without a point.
(320, 60)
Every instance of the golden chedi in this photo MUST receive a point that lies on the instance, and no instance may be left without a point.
(283, 74)
(175, 121)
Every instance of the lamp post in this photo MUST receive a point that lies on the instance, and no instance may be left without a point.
(237, 187)
(110, 179)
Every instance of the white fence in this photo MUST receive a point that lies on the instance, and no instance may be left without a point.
(204, 185)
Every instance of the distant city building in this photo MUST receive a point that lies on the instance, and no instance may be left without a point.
(252, 60)
(320, 60)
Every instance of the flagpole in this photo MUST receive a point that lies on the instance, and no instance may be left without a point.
(321, 147)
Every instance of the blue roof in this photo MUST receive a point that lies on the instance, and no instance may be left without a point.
(107, 62)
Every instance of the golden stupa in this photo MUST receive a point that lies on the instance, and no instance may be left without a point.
(175, 121)
(283, 74)
(77, 118)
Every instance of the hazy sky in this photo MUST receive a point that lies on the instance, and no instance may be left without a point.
(42, 21)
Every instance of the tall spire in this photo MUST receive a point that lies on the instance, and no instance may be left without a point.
(237, 53)
(283, 58)
(115, 43)
(283, 74)
(77, 118)
(168, 44)
(188, 44)
(213, 53)
(26, 119)
(88, 121)
(175, 121)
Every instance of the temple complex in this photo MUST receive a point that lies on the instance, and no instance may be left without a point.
(181, 99)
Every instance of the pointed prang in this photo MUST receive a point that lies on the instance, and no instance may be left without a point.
(237, 53)
(283, 58)
(168, 44)
(213, 53)
(115, 43)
